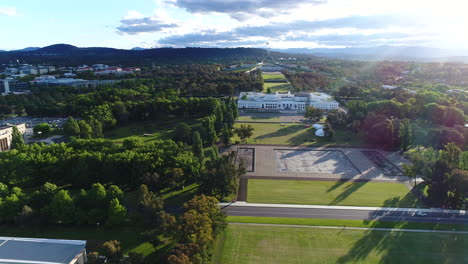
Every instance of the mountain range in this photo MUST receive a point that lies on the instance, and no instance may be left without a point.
(64, 54)
(422, 54)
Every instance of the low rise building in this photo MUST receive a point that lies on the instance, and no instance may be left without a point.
(11, 85)
(279, 101)
(48, 80)
(6, 135)
(42, 251)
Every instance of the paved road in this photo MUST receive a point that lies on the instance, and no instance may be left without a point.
(346, 214)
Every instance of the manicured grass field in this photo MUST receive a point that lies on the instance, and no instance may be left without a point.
(245, 244)
(278, 76)
(277, 87)
(298, 134)
(330, 193)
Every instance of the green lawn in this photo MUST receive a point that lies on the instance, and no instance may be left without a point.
(277, 87)
(298, 134)
(273, 76)
(330, 193)
(260, 117)
(154, 129)
(278, 244)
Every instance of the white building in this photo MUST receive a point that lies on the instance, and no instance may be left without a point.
(6, 135)
(298, 102)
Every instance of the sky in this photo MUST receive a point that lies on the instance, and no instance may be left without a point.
(277, 24)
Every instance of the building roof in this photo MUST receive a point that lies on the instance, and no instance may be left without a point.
(39, 251)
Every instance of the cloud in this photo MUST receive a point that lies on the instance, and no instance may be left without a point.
(242, 9)
(8, 11)
(132, 25)
(352, 31)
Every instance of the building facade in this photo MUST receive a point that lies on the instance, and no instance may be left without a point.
(6, 135)
(297, 102)
(10, 85)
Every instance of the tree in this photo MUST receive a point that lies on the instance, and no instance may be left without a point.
(17, 140)
(197, 147)
(458, 186)
(71, 127)
(244, 132)
(226, 135)
(438, 184)
(268, 90)
(42, 129)
(221, 178)
(313, 114)
(114, 192)
(62, 208)
(235, 110)
(451, 155)
(96, 127)
(116, 213)
(210, 132)
(150, 205)
(86, 131)
(183, 133)
(176, 178)
(97, 195)
(229, 118)
(112, 250)
(337, 118)
(329, 132)
(405, 134)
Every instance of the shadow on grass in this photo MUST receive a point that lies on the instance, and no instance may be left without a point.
(348, 190)
(407, 247)
(282, 132)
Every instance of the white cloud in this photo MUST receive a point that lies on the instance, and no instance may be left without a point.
(8, 11)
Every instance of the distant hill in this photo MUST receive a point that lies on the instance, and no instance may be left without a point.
(64, 54)
(138, 48)
(422, 54)
(28, 49)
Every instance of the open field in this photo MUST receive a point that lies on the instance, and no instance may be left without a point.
(330, 193)
(154, 129)
(298, 134)
(345, 223)
(245, 244)
(277, 87)
(278, 76)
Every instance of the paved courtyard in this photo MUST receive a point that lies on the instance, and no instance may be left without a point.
(314, 161)
(322, 163)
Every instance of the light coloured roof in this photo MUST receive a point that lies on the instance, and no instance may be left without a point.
(39, 251)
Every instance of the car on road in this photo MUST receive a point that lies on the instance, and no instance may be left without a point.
(420, 214)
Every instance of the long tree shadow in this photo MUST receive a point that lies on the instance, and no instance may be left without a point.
(405, 247)
(348, 190)
(282, 131)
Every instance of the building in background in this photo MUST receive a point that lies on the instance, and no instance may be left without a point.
(6, 135)
(10, 85)
(278, 101)
(42, 251)
(48, 80)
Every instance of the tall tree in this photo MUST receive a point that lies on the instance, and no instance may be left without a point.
(17, 140)
(116, 213)
(96, 127)
(71, 127)
(313, 114)
(438, 184)
(62, 207)
(235, 110)
(244, 132)
(85, 129)
(405, 134)
(198, 147)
